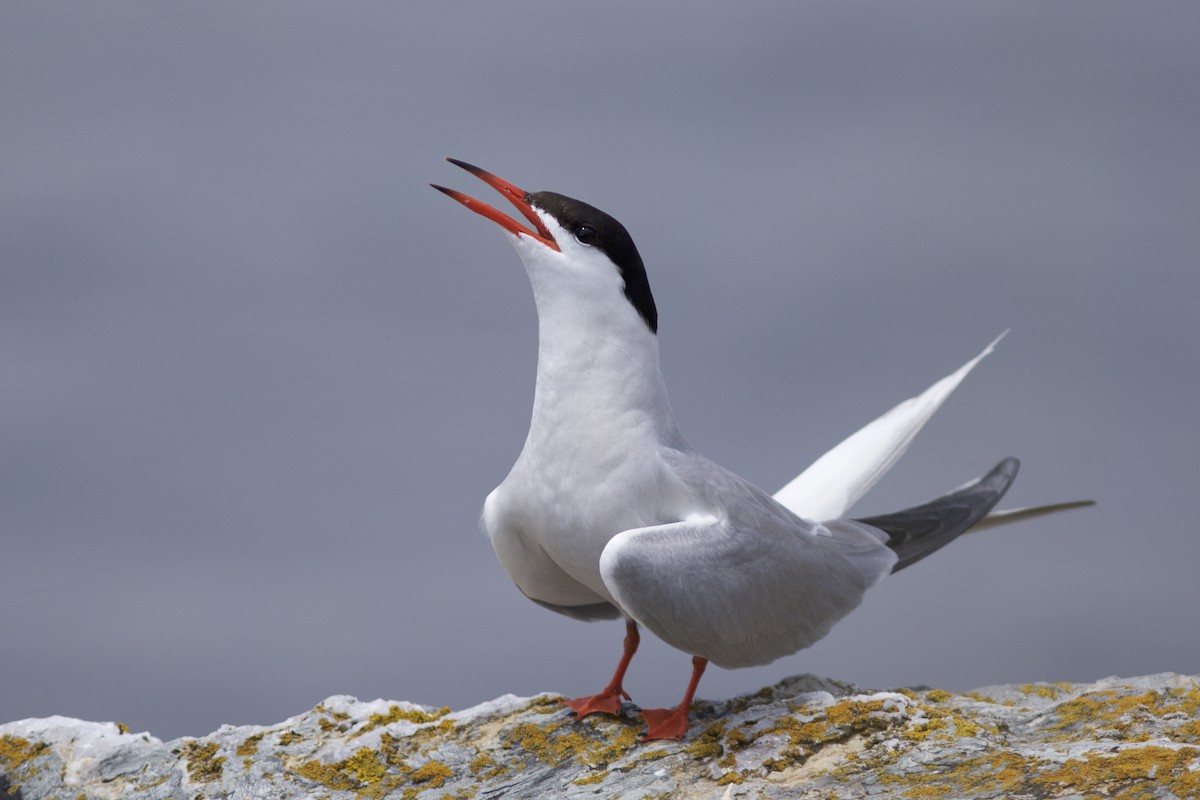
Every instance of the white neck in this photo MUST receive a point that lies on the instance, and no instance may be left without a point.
(599, 379)
(599, 393)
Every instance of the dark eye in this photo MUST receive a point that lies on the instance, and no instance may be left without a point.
(586, 234)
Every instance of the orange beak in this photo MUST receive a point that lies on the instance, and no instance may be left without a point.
(513, 194)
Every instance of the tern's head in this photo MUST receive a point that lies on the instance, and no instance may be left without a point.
(575, 254)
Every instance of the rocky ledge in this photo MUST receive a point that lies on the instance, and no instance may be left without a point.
(805, 737)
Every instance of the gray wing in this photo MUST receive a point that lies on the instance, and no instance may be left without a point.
(916, 532)
(591, 612)
(742, 596)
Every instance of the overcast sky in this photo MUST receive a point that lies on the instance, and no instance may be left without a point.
(256, 378)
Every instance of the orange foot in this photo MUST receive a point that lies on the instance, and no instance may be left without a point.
(665, 723)
(607, 702)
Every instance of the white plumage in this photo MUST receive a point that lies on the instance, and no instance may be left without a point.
(609, 512)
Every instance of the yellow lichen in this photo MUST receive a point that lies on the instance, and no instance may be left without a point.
(362, 773)
(484, 767)
(589, 779)
(396, 714)
(605, 753)
(290, 737)
(995, 774)
(542, 745)
(739, 738)
(964, 726)
(919, 732)
(1188, 732)
(1124, 716)
(836, 722)
(860, 714)
(552, 746)
(1161, 766)
(708, 743)
(389, 748)
(365, 766)
(1129, 773)
(338, 716)
(788, 757)
(947, 723)
(547, 705)
(434, 731)
(160, 780)
(481, 762)
(327, 725)
(325, 774)
(249, 745)
(203, 763)
(982, 698)
(731, 777)
(434, 773)
(15, 751)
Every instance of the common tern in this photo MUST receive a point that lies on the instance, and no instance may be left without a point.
(608, 512)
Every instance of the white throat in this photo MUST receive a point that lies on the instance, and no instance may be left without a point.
(592, 461)
(598, 381)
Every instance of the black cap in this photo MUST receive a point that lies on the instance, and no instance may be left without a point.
(600, 230)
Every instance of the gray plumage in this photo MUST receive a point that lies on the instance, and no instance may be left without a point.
(916, 532)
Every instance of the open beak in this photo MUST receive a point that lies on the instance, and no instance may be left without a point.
(514, 195)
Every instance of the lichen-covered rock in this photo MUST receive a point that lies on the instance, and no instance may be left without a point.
(806, 737)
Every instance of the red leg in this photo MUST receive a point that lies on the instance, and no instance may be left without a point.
(672, 723)
(609, 700)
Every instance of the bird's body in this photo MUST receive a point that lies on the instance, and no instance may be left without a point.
(600, 419)
(608, 511)
(591, 498)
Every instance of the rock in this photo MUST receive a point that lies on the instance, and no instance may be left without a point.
(806, 737)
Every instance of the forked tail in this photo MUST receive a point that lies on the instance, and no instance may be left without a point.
(914, 533)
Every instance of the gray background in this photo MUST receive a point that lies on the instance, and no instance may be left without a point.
(257, 377)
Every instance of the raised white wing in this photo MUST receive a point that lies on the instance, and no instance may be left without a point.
(836, 480)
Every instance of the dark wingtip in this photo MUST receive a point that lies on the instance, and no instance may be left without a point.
(914, 533)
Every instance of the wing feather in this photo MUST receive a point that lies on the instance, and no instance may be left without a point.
(740, 597)
(836, 480)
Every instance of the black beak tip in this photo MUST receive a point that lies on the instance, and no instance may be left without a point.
(471, 168)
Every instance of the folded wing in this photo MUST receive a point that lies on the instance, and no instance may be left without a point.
(742, 597)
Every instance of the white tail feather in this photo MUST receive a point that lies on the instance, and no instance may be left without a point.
(1010, 515)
